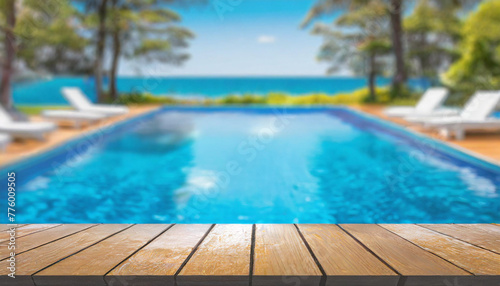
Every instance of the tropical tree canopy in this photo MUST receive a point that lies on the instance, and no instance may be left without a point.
(479, 64)
(149, 30)
(432, 31)
(360, 13)
(49, 37)
(146, 31)
(358, 38)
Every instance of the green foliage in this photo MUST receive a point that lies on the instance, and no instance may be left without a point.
(411, 101)
(147, 30)
(359, 37)
(432, 30)
(246, 99)
(48, 38)
(360, 96)
(479, 64)
(400, 92)
(355, 36)
(274, 98)
(37, 109)
(145, 98)
(158, 16)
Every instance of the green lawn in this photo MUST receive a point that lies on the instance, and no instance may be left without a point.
(37, 109)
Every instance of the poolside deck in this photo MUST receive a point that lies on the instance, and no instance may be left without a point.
(161, 254)
(482, 144)
(18, 150)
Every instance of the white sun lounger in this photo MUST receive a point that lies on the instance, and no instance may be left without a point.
(475, 116)
(4, 141)
(80, 102)
(36, 130)
(75, 116)
(430, 104)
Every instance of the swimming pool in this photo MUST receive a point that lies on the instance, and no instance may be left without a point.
(256, 165)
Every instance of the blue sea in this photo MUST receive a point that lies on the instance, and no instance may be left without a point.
(43, 92)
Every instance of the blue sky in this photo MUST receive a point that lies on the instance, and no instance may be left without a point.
(245, 38)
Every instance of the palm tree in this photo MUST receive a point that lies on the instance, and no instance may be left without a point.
(148, 31)
(358, 38)
(394, 8)
(100, 46)
(395, 11)
(98, 11)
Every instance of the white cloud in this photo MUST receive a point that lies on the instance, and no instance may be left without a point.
(265, 39)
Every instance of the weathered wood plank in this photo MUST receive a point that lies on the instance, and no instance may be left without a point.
(422, 255)
(281, 257)
(406, 258)
(467, 256)
(157, 263)
(4, 227)
(28, 263)
(76, 270)
(344, 260)
(222, 259)
(36, 239)
(26, 230)
(483, 235)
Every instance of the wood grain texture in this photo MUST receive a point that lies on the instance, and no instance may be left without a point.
(30, 262)
(467, 256)
(4, 227)
(344, 260)
(222, 259)
(26, 230)
(483, 235)
(406, 258)
(36, 239)
(156, 263)
(349, 256)
(281, 257)
(75, 270)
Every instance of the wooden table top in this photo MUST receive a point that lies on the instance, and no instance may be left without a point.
(262, 254)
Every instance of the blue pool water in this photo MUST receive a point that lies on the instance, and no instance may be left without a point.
(195, 165)
(48, 91)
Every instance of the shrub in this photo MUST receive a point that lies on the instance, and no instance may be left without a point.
(241, 100)
(359, 96)
(145, 98)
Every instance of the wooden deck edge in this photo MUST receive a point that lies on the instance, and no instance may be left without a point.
(261, 280)
(202, 280)
(417, 254)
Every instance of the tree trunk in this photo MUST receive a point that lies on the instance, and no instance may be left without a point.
(10, 55)
(113, 91)
(399, 78)
(101, 40)
(424, 57)
(372, 75)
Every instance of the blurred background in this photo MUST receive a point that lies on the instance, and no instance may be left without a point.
(246, 51)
